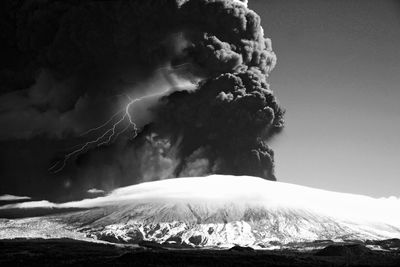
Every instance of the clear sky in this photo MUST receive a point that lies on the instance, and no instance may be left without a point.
(338, 76)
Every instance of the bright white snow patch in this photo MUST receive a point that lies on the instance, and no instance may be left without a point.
(244, 190)
(8, 197)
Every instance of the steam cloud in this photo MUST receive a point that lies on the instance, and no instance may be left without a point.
(69, 65)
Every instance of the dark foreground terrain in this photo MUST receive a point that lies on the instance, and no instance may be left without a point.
(63, 252)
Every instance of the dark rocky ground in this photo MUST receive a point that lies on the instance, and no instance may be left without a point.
(65, 252)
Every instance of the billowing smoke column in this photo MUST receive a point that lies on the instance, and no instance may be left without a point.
(206, 61)
(222, 127)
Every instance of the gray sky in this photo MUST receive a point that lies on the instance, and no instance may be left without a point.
(338, 76)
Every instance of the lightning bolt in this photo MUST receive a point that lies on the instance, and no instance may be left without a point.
(114, 126)
(109, 134)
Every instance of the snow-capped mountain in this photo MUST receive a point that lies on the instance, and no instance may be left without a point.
(214, 211)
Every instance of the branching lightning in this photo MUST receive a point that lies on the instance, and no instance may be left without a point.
(109, 134)
(118, 123)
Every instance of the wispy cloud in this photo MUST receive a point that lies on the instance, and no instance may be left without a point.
(95, 191)
(8, 197)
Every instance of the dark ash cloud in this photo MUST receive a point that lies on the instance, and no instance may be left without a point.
(69, 65)
(229, 118)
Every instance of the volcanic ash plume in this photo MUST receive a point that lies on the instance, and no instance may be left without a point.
(205, 64)
(223, 126)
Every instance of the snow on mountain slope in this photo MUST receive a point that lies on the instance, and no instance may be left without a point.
(215, 211)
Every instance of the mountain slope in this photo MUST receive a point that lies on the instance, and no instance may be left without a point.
(215, 211)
